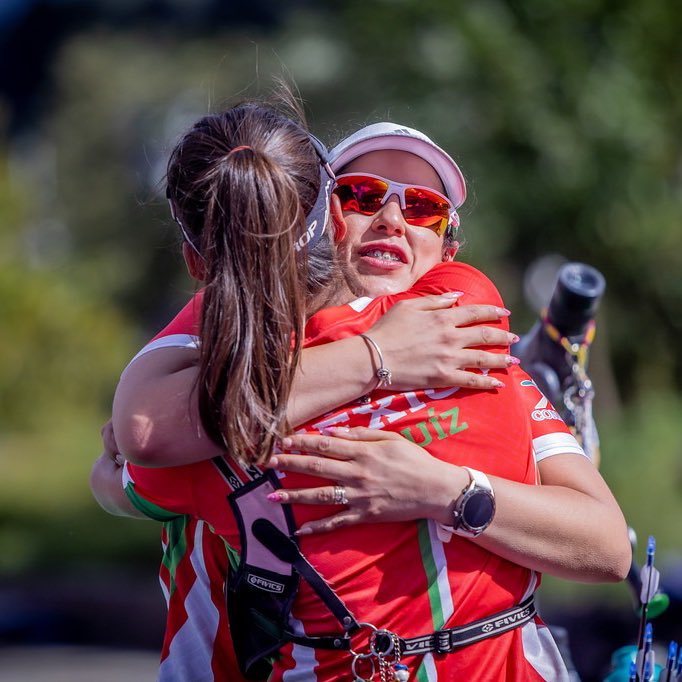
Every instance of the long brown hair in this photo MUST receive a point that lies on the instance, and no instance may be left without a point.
(241, 183)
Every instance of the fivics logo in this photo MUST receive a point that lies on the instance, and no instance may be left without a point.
(263, 584)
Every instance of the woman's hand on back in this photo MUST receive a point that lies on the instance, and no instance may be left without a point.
(377, 472)
(570, 526)
(428, 342)
(425, 342)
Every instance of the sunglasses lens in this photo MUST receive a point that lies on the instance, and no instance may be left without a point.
(361, 194)
(426, 209)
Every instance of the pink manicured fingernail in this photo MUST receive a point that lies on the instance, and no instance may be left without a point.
(275, 497)
(511, 360)
(497, 383)
(273, 462)
(286, 442)
(503, 312)
(452, 294)
(513, 338)
(304, 531)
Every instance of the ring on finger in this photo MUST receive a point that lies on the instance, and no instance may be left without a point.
(340, 495)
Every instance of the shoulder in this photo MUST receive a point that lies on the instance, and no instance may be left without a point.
(181, 332)
(477, 287)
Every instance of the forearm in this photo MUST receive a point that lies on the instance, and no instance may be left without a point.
(329, 376)
(558, 530)
(156, 415)
(570, 526)
(107, 488)
(421, 344)
(156, 412)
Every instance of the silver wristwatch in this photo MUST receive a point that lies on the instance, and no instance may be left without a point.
(475, 507)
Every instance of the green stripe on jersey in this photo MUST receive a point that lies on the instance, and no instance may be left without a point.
(232, 556)
(175, 525)
(429, 563)
(148, 508)
(427, 670)
(438, 589)
(176, 548)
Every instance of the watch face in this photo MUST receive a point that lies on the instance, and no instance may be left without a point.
(479, 510)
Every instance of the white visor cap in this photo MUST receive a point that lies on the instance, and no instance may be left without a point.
(385, 136)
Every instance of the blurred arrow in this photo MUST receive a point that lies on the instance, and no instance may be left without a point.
(668, 674)
(650, 581)
(659, 602)
(645, 656)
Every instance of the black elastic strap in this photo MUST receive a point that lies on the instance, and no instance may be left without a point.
(228, 473)
(446, 641)
(327, 642)
(442, 641)
(285, 549)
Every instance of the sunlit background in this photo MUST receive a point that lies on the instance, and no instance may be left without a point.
(566, 118)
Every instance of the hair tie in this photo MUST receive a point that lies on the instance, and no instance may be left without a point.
(239, 148)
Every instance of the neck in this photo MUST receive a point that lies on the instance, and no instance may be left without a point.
(348, 287)
(335, 295)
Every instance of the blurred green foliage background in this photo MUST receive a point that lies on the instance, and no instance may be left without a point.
(566, 118)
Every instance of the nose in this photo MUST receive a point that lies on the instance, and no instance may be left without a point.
(389, 218)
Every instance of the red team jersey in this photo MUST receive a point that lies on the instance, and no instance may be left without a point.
(401, 576)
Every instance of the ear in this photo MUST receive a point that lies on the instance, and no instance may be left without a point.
(339, 222)
(194, 262)
(450, 251)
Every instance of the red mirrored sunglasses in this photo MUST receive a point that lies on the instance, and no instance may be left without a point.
(421, 206)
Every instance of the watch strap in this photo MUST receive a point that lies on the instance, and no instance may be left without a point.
(480, 479)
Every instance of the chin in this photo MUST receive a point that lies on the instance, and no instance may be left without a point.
(381, 285)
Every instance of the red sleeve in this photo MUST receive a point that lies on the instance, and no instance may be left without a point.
(181, 332)
(477, 287)
(187, 321)
(161, 493)
(550, 434)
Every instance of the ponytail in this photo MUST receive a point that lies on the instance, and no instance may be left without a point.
(253, 303)
(242, 183)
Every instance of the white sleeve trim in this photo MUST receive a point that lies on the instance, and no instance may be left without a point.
(359, 304)
(125, 476)
(556, 444)
(170, 341)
